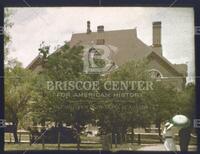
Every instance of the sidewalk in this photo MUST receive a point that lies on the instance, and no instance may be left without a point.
(160, 147)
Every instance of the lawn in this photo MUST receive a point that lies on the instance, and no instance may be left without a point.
(87, 143)
(25, 146)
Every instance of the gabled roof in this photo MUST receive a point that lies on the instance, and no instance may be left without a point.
(175, 69)
(129, 47)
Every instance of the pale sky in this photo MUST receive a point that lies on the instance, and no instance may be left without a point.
(56, 25)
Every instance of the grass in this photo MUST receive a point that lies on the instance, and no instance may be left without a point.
(25, 146)
(94, 139)
(87, 143)
(9, 137)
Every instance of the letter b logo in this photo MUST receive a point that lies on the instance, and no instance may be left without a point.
(97, 59)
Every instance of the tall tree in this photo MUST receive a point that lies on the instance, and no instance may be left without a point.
(120, 113)
(18, 92)
(186, 101)
(63, 65)
(163, 101)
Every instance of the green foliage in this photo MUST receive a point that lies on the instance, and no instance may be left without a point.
(117, 116)
(7, 25)
(163, 101)
(186, 101)
(19, 84)
(18, 91)
(44, 50)
(132, 70)
(63, 65)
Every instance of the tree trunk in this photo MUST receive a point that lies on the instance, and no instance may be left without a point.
(15, 124)
(43, 122)
(159, 130)
(132, 135)
(123, 136)
(158, 125)
(78, 129)
(79, 141)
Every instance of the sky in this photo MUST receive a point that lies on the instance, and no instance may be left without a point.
(56, 25)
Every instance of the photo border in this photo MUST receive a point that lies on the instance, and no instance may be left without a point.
(195, 4)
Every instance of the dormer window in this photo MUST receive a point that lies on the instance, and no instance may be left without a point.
(100, 42)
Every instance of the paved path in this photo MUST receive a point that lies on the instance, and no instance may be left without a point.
(156, 147)
(160, 147)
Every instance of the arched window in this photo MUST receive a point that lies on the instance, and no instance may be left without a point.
(155, 74)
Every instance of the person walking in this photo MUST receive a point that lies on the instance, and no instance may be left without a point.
(184, 138)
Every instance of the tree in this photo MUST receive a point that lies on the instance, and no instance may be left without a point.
(163, 101)
(186, 101)
(186, 106)
(118, 114)
(63, 65)
(7, 25)
(18, 93)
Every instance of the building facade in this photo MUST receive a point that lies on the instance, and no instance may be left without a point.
(130, 47)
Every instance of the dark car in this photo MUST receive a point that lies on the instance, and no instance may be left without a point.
(67, 135)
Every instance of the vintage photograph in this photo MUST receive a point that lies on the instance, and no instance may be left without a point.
(99, 78)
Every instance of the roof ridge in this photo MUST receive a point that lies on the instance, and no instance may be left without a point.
(134, 29)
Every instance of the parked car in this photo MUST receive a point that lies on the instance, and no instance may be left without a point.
(67, 135)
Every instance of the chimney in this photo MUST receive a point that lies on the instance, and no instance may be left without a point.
(88, 27)
(100, 28)
(157, 34)
(157, 37)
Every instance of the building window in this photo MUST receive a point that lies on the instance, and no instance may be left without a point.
(100, 42)
(155, 74)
